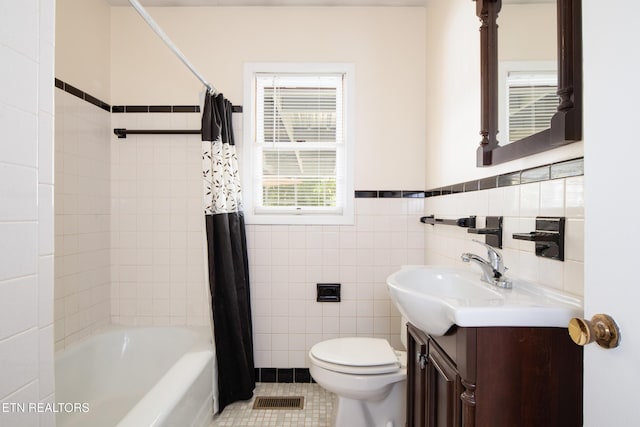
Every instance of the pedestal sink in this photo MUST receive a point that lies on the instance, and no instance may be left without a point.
(434, 298)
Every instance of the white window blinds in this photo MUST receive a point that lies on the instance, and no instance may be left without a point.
(532, 102)
(299, 143)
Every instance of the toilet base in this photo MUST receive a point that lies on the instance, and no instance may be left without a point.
(389, 412)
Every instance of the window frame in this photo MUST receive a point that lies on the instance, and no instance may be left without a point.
(263, 215)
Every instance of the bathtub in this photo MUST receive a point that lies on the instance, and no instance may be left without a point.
(137, 377)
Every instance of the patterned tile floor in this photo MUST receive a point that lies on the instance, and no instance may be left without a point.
(318, 408)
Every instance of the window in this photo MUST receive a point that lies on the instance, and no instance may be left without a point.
(528, 99)
(297, 153)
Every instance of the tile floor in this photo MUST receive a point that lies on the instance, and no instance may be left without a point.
(318, 408)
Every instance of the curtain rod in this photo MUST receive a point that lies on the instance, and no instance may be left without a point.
(154, 26)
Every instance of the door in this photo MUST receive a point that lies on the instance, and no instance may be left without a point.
(612, 203)
(443, 389)
(417, 358)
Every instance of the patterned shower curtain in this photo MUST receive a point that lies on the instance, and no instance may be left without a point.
(227, 254)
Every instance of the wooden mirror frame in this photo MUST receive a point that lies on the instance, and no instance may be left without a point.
(566, 123)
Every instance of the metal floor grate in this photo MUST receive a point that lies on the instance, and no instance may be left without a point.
(279, 402)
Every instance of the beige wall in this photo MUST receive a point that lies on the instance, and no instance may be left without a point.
(527, 32)
(453, 99)
(387, 46)
(82, 46)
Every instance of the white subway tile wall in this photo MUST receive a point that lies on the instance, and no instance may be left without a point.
(287, 262)
(82, 199)
(26, 210)
(157, 223)
(158, 268)
(519, 205)
(157, 247)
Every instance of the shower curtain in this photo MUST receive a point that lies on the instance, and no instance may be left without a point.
(227, 254)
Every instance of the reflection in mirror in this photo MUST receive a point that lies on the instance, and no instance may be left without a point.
(527, 98)
(527, 52)
(527, 68)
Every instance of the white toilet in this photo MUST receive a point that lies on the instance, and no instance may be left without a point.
(367, 375)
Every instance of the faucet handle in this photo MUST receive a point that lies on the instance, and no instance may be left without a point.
(494, 257)
(490, 248)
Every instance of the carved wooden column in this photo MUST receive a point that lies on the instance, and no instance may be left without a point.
(566, 124)
(487, 11)
(468, 398)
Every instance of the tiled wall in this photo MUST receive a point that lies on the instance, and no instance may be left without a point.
(157, 230)
(157, 223)
(519, 204)
(158, 259)
(26, 211)
(287, 261)
(82, 199)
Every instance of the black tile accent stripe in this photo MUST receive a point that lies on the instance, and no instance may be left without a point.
(283, 375)
(563, 169)
(488, 183)
(136, 108)
(567, 169)
(389, 194)
(186, 108)
(80, 94)
(159, 108)
(471, 186)
(366, 195)
(509, 179)
(535, 175)
(132, 108)
(156, 109)
(412, 194)
(457, 188)
(73, 91)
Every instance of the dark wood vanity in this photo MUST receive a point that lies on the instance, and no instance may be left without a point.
(494, 377)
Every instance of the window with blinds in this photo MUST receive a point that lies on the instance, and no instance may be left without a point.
(299, 146)
(532, 101)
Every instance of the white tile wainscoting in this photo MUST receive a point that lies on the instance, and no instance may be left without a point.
(287, 261)
(157, 223)
(26, 210)
(519, 205)
(157, 241)
(82, 211)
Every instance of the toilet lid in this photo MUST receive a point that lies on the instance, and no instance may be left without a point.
(358, 352)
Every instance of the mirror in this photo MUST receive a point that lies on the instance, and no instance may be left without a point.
(527, 51)
(527, 68)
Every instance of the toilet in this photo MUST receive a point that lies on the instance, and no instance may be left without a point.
(367, 375)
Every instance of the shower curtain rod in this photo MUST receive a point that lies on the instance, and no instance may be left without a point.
(154, 26)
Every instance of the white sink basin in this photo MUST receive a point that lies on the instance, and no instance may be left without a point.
(435, 298)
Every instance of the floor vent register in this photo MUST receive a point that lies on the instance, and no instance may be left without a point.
(279, 402)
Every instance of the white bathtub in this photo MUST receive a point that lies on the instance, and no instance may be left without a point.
(137, 377)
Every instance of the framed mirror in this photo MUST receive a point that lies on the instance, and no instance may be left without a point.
(534, 78)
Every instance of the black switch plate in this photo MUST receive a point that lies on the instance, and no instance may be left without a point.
(328, 292)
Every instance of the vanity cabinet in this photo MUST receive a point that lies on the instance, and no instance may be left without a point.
(493, 377)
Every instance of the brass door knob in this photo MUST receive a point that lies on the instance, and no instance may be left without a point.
(601, 328)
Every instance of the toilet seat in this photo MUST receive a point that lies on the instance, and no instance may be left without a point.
(356, 355)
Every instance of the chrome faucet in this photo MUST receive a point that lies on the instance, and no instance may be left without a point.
(492, 270)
